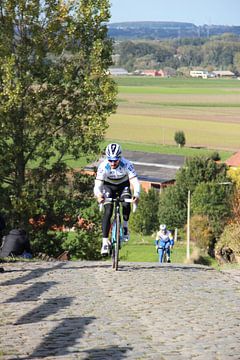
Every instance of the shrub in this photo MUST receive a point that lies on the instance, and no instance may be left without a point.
(228, 246)
(201, 233)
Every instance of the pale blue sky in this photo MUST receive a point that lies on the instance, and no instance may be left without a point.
(199, 12)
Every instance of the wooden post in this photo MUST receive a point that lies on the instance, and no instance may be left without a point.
(188, 225)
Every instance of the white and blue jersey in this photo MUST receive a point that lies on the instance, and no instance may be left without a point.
(124, 172)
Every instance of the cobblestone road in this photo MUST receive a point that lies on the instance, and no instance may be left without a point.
(85, 310)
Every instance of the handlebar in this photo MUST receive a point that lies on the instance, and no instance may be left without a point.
(111, 200)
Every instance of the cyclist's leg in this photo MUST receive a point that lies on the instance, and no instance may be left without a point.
(161, 250)
(126, 209)
(106, 220)
(167, 246)
(160, 254)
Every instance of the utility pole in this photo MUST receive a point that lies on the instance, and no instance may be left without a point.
(188, 225)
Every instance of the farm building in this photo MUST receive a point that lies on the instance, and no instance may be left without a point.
(152, 73)
(154, 170)
(224, 73)
(118, 71)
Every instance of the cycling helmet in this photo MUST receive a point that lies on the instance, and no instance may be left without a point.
(113, 151)
(162, 227)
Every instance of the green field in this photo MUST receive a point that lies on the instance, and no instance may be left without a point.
(151, 110)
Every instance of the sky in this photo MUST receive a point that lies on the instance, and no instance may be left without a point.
(198, 12)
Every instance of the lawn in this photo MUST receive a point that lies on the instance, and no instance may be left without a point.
(151, 110)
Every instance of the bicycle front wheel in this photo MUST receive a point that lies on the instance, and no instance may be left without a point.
(117, 243)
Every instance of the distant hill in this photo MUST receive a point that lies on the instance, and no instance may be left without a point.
(166, 29)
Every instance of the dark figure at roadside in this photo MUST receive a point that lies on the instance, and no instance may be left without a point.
(16, 243)
(2, 227)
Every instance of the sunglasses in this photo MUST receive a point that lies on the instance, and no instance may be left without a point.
(113, 161)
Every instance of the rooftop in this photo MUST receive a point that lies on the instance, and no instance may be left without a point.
(152, 167)
(234, 160)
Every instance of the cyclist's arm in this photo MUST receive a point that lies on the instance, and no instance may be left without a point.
(171, 239)
(157, 240)
(136, 186)
(98, 186)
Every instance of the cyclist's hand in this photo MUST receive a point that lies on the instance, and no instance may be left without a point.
(100, 199)
(135, 200)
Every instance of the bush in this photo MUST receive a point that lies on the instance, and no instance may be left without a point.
(228, 246)
(201, 233)
(215, 156)
(84, 244)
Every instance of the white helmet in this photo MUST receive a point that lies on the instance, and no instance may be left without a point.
(162, 227)
(113, 151)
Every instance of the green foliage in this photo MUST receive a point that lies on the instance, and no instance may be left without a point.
(200, 169)
(179, 138)
(229, 240)
(62, 203)
(215, 156)
(203, 175)
(213, 200)
(86, 242)
(220, 52)
(145, 220)
(172, 209)
(55, 97)
(201, 233)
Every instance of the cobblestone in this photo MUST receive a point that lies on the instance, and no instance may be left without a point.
(85, 310)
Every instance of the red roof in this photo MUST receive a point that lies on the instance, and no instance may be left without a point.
(234, 160)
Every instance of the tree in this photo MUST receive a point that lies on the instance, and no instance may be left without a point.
(145, 220)
(212, 200)
(172, 209)
(55, 96)
(200, 169)
(197, 170)
(179, 138)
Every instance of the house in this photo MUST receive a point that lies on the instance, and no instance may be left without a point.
(118, 71)
(223, 73)
(154, 170)
(152, 73)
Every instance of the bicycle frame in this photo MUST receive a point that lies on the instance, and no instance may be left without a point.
(162, 252)
(117, 231)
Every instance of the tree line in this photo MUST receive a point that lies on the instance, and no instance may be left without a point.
(180, 55)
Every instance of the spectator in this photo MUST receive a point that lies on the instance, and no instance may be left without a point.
(16, 243)
(2, 227)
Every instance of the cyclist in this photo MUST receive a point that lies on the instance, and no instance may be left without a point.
(164, 241)
(115, 177)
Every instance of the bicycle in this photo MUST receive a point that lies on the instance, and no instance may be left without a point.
(117, 229)
(162, 252)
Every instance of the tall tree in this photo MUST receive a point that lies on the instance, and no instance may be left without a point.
(55, 91)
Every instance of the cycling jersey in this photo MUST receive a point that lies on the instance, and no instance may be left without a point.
(164, 236)
(125, 171)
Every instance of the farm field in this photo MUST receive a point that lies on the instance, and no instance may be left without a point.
(151, 110)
